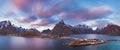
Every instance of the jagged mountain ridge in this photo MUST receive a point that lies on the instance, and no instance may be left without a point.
(60, 29)
(63, 29)
(6, 27)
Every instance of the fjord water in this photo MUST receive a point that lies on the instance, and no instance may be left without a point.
(21, 43)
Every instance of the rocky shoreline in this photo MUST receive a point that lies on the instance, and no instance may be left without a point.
(85, 42)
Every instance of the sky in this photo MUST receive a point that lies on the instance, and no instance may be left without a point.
(44, 14)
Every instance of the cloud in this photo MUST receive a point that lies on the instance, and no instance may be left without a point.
(47, 9)
(45, 12)
(44, 22)
(100, 10)
(88, 14)
(40, 23)
(91, 23)
(64, 9)
(27, 19)
(23, 5)
(97, 23)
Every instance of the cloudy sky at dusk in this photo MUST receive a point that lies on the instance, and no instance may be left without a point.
(43, 14)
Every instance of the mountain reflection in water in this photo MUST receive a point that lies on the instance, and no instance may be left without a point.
(20, 43)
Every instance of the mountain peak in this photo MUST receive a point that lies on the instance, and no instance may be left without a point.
(5, 24)
(111, 29)
(61, 22)
(109, 25)
(61, 29)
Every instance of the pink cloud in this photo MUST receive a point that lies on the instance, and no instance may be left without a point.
(100, 10)
(44, 9)
(24, 20)
(40, 23)
(27, 20)
(50, 11)
(91, 13)
(22, 4)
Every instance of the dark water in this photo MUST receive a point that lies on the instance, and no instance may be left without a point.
(20, 43)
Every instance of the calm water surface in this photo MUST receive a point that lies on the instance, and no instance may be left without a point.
(20, 43)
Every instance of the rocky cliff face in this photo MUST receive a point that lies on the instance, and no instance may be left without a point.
(111, 29)
(61, 29)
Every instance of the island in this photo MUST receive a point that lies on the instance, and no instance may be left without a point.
(85, 42)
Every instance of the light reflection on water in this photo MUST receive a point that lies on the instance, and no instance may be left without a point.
(89, 36)
(30, 43)
(20, 43)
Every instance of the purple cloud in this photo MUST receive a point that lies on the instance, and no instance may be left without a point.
(88, 14)
(28, 19)
(65, 9)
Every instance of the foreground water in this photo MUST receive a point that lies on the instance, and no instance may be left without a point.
(20, 43)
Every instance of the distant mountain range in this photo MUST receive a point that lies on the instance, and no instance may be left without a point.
(6, 28)
(61, 29)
